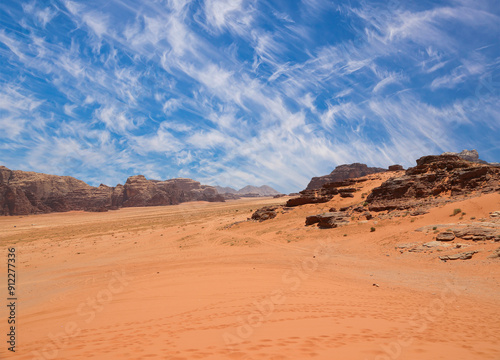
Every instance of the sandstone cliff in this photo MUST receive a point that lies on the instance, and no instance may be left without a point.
(343, 172)
(23, 192)
(434, 176)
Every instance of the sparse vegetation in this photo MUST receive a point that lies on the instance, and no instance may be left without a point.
(365, 203)
(372, 229)
(456, 212)
(412, 220)
(363, 195)
(434, 228)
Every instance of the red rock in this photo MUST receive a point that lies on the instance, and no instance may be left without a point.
(395, 168)
(433, 175)
(23, 193)
(343, 172)
(264, 213)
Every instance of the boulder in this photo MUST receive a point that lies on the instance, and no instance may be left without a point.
(462, 256)
(445, 236)
(313, 219)
(264, 213)
(495, 215)
(328, 220)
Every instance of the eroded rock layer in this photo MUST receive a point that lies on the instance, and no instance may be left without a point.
(433, 176)
(24, 192)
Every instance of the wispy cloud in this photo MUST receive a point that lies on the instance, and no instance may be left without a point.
(238, 92)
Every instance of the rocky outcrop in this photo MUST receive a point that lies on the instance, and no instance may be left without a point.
(343, 172)
(23, 193)
(462, 256)
(328, 220)
(265, 213)
(433, 176)
(479, 232)
(325, 193)
(469, 155)
(396, 168)
(445, 236)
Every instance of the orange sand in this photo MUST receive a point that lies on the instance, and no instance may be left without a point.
(179, 282)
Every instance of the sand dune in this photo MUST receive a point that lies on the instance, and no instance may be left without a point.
(197, 281)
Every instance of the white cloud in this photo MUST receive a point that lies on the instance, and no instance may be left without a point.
(231, 14)
(447, 81)
(160, 142)
(68, 109)
(97, 22)
(391, 79)
(115, 119)
(209, 139)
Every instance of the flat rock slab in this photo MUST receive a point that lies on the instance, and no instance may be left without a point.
(462, 256)
(477, 233)
(445, 236)
(495, 255)
(432, 244)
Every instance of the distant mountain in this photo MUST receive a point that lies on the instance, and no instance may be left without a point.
(263, 190)
(225, 190)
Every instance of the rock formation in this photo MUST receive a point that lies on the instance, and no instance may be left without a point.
(265, 213)
(433, 176)
(329, 220)
(325, 193)
(343, 172)
(469, 155)
(462, 256)
(396, 168)
(23, 193)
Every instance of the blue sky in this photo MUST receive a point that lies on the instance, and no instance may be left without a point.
(236, 92)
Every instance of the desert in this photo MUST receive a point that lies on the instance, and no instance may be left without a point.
(250, 180)
(203, 280)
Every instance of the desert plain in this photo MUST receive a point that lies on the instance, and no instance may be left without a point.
(200, 281)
